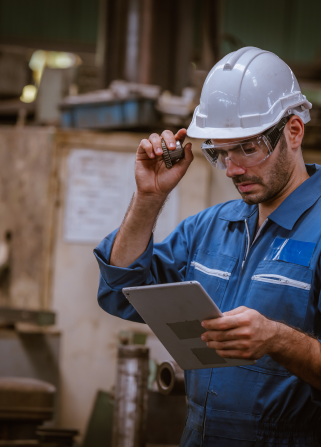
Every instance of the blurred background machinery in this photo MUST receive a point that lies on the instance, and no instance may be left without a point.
(25, 404)
(130, 409)
(170, 379)
(81, 83)
(47, 69)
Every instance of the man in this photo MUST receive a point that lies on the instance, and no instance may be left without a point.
(258, 258)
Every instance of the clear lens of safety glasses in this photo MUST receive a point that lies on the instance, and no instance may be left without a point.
(245, 153)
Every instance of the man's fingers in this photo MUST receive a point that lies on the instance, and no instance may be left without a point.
(169, 139)
(181, 135)
(234, 349)
(188, 153)
(232, 334)
(241, 316)
(244, 333)
(236, 311)
(147, 147)
(183, 164)
(156, 142)
(221, 323)
(153, 146)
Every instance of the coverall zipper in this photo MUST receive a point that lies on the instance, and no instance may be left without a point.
(281, 280)
(248, 238)
(212, 272)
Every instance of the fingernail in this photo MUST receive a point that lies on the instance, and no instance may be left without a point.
(203, 338)
(172, 145)
(159, 151)
(203, 324)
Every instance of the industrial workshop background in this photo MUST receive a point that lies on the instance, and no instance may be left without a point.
(81, 83)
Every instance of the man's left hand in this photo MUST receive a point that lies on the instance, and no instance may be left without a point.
(241, 333)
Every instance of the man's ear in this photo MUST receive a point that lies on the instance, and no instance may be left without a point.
(294, 132)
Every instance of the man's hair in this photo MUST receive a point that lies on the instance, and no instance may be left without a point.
(283, 143)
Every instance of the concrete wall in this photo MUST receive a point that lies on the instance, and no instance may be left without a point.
(26, 161)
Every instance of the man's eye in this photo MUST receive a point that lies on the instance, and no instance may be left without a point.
(249, 150)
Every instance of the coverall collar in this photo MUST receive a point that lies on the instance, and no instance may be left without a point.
(292, 208)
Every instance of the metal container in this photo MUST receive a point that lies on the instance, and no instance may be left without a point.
(170, 379)
(131, 397)
(115, 114)
(24, 404)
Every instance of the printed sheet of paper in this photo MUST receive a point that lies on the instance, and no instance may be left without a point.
(100, 185)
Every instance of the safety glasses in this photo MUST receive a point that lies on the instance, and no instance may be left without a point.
(244, 153)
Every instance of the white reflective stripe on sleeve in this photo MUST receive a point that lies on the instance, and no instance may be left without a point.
(281, 280)
(211, 272)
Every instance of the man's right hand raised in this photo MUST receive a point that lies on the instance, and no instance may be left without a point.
(152, 176)
(154, 182)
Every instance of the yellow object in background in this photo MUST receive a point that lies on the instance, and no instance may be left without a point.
(29, 93)
(41, 59)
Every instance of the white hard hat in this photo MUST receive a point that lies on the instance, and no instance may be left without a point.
(244, 94)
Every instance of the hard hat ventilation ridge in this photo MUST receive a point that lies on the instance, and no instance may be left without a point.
(229, 65)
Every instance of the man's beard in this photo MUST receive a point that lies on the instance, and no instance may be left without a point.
(274, 183)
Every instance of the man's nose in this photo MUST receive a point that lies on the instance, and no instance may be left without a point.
(233, 169)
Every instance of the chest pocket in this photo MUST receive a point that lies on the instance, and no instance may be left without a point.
(280, 291)
(213, 272)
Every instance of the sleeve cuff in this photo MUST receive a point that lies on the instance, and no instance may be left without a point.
(118, 277)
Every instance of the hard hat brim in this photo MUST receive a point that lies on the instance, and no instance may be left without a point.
(227, 133)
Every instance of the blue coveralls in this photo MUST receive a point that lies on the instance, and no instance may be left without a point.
(278, 274)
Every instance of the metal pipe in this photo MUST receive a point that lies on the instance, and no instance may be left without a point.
(170, 379)
(132, 44)
(129, 424)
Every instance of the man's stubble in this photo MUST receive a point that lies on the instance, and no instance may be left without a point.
(274, 183)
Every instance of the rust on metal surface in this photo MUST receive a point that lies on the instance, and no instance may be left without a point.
(131, 397)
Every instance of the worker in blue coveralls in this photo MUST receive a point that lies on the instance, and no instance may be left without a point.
(258, 257)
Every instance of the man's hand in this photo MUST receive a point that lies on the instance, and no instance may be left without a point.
(244, 333)
(154, 182)
(241, 333)
(152, 176)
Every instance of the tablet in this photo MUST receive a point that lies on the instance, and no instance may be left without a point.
(174, 313)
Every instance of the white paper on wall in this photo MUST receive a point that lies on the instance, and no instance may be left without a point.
(100, 185)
